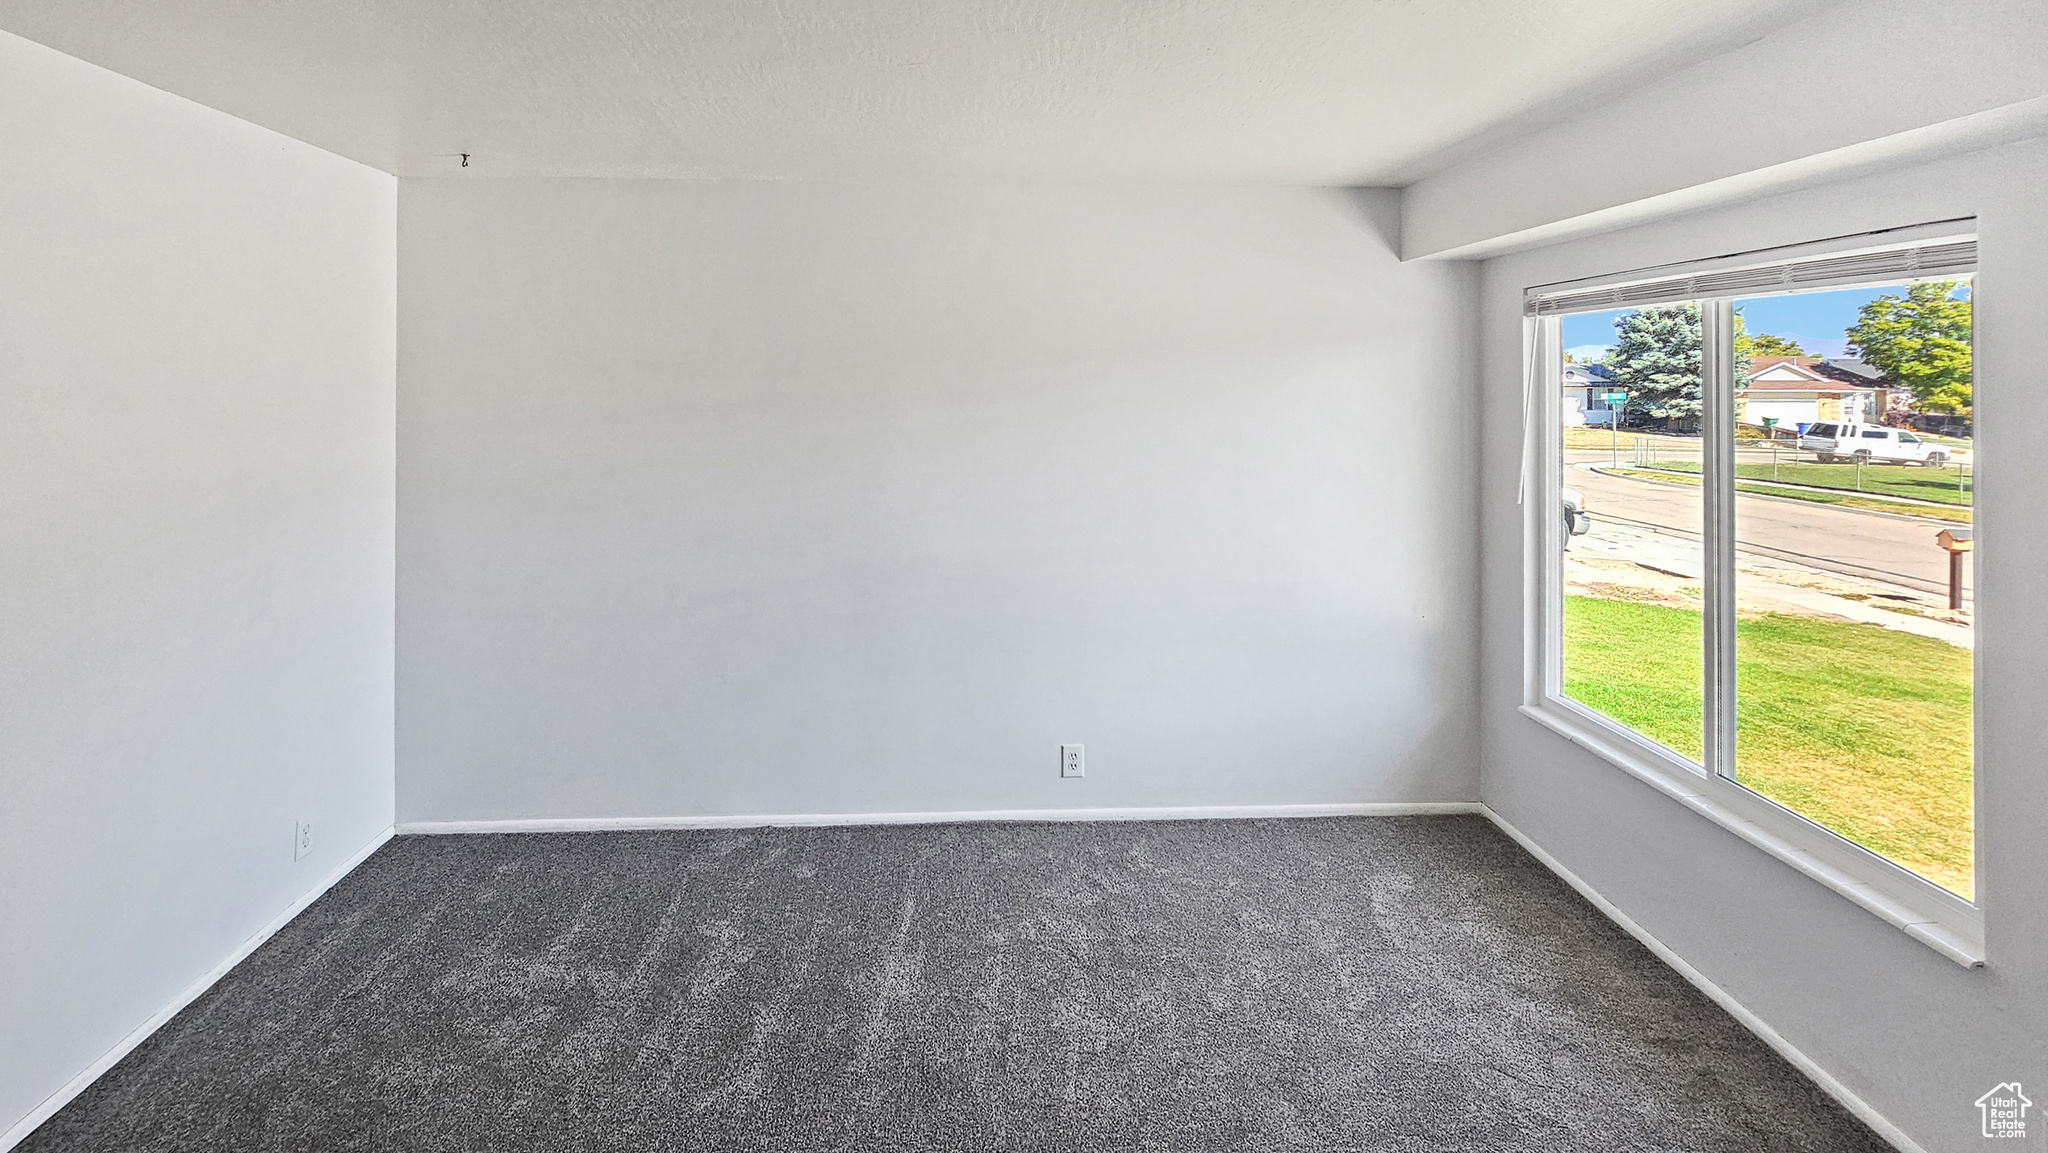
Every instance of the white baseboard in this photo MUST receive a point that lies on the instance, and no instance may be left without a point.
(768, 820)
(72, 1088)
(1736, 1009)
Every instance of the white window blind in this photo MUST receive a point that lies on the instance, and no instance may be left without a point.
(1934, 253)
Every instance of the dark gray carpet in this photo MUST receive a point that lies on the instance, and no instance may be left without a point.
(1383, 984)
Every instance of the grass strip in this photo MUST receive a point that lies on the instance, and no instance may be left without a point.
(1814, 496)
(1930, 484)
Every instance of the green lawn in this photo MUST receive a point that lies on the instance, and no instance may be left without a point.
(1860, 728)
(1935, 484)
(1960, 515)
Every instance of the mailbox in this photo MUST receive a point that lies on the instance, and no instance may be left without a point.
(1957, 542)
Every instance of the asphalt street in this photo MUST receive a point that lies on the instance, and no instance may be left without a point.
(1872, 546)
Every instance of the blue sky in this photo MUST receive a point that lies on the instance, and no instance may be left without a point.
(1815, 319)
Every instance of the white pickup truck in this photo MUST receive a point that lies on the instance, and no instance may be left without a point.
(1577, 521)
(1870, 443)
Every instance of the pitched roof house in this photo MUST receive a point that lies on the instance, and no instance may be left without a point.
(1585, 388)
(1795, 391)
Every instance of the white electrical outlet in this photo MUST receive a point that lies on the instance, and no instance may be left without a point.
(302, 841)
(1072, 764)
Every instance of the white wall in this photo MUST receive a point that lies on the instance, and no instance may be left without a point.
(1852, 87)
(1914, 1034)
(196, 544)
(739, 498)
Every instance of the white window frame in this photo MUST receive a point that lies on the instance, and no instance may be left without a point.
(1924, 910)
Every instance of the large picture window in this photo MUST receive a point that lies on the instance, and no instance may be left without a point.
(1753, 552)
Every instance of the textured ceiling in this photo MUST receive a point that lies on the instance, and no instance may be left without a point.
(1299, 91)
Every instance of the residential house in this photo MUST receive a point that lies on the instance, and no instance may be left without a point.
(1792, 392)
(1585, 390)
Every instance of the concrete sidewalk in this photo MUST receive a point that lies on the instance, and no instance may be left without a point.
(1669, 568)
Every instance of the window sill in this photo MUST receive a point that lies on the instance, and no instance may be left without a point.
(1929, 914)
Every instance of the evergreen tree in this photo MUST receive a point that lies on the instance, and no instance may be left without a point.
(1656, 358)
(1922, 342)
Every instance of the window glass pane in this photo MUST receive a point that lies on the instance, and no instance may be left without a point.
(1631, 496)
(1853, 668)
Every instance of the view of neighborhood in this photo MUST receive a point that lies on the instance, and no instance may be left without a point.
(1853, 519)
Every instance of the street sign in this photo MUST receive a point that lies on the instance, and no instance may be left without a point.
(1614, 401)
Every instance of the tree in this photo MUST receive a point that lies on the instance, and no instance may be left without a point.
(1765, 344)
(1748, 347)
(1656, 358)
(1921, 342)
